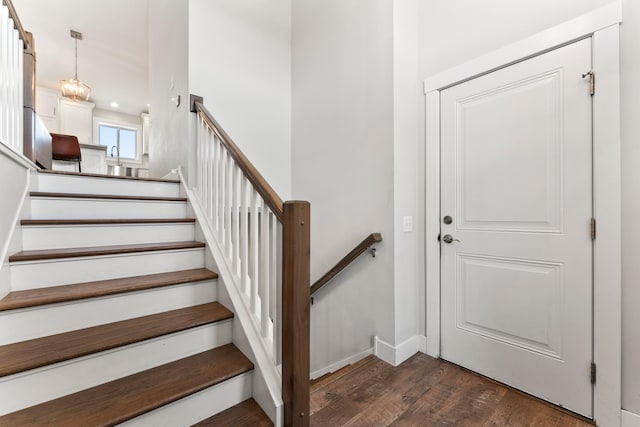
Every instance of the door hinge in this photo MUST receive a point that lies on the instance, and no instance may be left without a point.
(593, 373)
(592, 82)
(593, 229)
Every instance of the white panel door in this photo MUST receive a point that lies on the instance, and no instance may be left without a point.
(516, 182)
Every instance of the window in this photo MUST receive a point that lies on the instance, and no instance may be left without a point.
(119, 140)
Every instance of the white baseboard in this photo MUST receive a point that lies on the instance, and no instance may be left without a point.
(341, 364)
(629, 419)
(395, 355)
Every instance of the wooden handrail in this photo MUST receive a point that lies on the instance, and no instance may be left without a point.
(261, 185)
(371, 240)
(279, 314)
(16, 22)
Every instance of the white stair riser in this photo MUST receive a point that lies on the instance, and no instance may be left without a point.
(198, 406)
(40, 385)
(41, 274)
(90, 185)
(35, 322)
(66, 208)
(77, 236)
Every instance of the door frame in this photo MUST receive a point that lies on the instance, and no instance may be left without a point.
(603, 26)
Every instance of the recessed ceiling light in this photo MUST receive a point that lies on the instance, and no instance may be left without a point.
(114, 104)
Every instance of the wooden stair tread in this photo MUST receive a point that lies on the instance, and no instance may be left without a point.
(244, 414)
(28, 222)
(64, 293)
(123, 399)
(35, 353)
(43, 254)
(105, 196)
(99, 175)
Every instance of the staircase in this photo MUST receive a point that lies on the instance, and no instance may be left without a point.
(113, 316)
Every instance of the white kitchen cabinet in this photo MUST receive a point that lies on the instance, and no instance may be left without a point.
(94, 158)
(76, 118)
(47, 107)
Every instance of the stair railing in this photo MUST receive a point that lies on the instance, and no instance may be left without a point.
(13, 41)
(362, 247)
(265, 245)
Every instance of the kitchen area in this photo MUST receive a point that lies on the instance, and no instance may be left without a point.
(111, 142)
(90, 84)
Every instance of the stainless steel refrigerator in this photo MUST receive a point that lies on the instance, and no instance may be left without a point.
(37, 141)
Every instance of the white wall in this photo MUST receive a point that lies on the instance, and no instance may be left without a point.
(168, 78)
(455, 31)
(115, 116)
(240, 62)
(408, 174)
(342, 162)
(14, 184)
(630, 63)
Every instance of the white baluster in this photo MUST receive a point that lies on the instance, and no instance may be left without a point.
(273, 275)
(222, 208)
(20, 94)
(264, 271)
(4, 84)
(204, 185)
(228, 200)
(10, 85)
(233, 195)
(254, 250)
(202, 137)
(216, 183)
(199, 161)
(13, 48)
(244, 234)
(210, 175)
(206, 154)
(235, 219)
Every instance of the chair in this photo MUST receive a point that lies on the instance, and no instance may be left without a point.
(66, 147)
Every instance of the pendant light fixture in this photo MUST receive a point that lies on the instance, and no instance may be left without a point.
(74, 88)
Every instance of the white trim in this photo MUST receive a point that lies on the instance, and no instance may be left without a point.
(567, 32)
(111, 161)
(341, 364)
(432, 226)
(29, 168)
(19, 158)
(629, 419)
(602, 24)
(607, 206)
(395, 355)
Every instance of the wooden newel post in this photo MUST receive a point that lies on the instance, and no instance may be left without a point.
(295, 313)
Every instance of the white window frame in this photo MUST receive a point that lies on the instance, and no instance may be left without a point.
(603, 26)
(97, 122)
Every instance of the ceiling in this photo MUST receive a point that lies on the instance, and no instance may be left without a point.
(112, 57)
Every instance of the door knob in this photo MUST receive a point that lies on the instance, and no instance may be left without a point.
(447, 238)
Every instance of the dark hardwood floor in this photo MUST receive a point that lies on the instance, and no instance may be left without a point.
(425, 392)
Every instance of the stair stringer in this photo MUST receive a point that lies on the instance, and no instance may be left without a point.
(18, 175)
(267, 379)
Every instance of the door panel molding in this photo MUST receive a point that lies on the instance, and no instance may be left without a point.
(546, 338)
(603, 25)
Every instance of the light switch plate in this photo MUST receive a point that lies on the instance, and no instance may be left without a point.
(407, 224)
